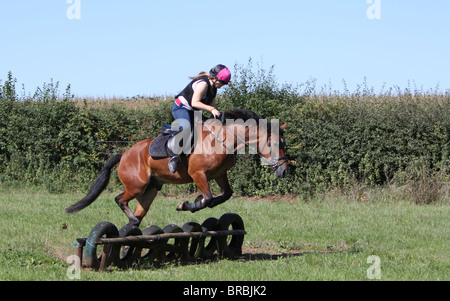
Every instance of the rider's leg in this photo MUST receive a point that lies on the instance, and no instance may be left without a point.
(183, 118)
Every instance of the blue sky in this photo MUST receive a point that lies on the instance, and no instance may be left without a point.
(137, 47)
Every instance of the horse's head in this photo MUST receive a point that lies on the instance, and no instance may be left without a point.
(277, 156)
(249, 126)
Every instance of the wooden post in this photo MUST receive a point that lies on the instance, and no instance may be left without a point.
(105, 257)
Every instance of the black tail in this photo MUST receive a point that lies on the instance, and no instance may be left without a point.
(97, 187)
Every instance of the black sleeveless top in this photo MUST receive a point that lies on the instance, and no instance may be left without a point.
(188, 92)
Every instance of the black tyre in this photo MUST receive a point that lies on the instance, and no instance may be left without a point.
(152, 253)
(210, 243)
(196, 244)
(179, 246)
(129, 254)
(233, 246)
(93, 253)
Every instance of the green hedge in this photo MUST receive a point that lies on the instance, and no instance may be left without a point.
(61, 143)
(334, 139)
(342, 139)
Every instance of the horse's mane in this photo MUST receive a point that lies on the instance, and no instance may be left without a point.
(239, 114)
(244, 115)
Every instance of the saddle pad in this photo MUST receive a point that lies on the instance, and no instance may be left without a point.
(158, 147)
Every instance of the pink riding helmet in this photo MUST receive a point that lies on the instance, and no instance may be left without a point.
(222, 73)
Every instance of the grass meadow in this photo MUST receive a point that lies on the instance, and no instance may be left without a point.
(329, 237)
(369, 183)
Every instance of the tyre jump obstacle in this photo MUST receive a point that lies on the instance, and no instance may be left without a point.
(106, 245)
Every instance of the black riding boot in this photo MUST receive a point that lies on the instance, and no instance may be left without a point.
(174, 162)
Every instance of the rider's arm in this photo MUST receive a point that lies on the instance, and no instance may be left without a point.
(199, 92)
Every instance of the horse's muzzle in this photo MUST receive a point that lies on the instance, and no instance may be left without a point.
(281, 172)
(281, 168)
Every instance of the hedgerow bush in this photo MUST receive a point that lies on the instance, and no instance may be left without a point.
(370, 139)
(335, 140)
(61, 143)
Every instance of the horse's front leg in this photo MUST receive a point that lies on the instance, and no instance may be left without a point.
(226, 189)
(201, 180)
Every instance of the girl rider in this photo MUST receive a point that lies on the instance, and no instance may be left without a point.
(199, 94)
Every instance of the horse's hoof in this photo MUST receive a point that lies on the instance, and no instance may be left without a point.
(134, 221)
(183, 206)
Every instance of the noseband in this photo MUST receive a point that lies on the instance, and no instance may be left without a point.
(278, 159)
(278, 165)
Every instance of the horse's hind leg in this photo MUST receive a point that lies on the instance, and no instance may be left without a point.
(134, 172)
(122, 200)
(144, 202)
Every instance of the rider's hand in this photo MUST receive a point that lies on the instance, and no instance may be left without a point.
(215, 112)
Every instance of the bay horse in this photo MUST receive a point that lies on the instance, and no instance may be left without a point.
(143, 176)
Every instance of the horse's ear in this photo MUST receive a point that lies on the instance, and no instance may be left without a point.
(283, 126)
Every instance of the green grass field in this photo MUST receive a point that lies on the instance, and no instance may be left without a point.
(327, 238)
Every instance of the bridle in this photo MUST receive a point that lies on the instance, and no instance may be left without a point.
(278, 165)
(277, 159)
(268, 161)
